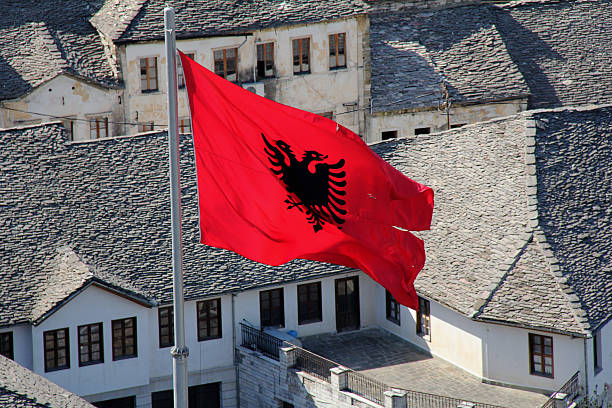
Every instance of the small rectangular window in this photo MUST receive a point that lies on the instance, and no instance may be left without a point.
(91, 347)
(69, 126)
(180, 75)
(271, 308)
(146, 127)
(57, 349)
(328, 115)
(265, 60)
(457, 125)
(209, 319)
(337, 51)
(226, 63)
(389, 134)
(423, 323)
(597, 363)
(124, 338)
(166, 326)
(6, 345)
(541, 355)
(301, 56)
(98, 128)
(309, 303)
(422, 131)
(184, 125)
(148, 75)
(393, 308)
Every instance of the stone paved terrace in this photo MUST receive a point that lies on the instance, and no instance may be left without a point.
(399, 364)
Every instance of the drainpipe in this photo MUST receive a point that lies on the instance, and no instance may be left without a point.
(586, 371)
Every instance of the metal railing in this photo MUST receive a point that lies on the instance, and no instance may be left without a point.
(424, 400)
(314, 364)
(256, 339)
(571, 388)
(366, 387)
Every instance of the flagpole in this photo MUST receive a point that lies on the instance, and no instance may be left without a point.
(179, 352)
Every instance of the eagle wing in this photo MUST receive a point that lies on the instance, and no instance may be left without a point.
(275, 157)
(330, 185)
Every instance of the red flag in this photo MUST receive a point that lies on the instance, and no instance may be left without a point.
(276, 183)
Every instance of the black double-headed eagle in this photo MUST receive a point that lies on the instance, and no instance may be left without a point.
(314, 187)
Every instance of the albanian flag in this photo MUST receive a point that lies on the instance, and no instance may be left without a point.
(277, 183)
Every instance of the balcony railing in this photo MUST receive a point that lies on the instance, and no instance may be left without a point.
(425, 400)
(256, 339)
(314, 364)
(571, 388)
(367, 388)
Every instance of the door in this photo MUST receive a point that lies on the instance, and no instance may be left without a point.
(347, 304)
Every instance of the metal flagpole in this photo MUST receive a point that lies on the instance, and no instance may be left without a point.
(179, 352)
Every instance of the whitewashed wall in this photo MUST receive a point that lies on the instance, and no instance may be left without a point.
(322, 90)
(22, 343)
(603, 377)
(406, 123)
(95, 305)
(66, 96)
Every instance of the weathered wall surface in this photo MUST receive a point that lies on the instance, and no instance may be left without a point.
(322, 90)
(406, 123)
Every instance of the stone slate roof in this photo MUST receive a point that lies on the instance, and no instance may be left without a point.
(562, 48)
(413, 53)
(558, 52)
(72, 214)
(21, 388)
(40, 40)
(143, 20)
(528, 214)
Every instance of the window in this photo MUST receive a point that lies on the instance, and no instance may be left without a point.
(540, 355)
(204, 395)
(91, 348)
(422, 131)
(423, 323)
(145, 127)
(265, 60)
(98, 127)
(124, 338)
(69, 126)
(458, 125)
(337, 51)
(126, 402)
(180, 76)
(166, 326)
(226, 62)
(393, 308)
(390, 134)
(597, 364)
(148, 74)
(309, 303)
(6, 345)
(271, 308)
(301, 56)
(57, 349)
(184, 125)
(209, 319)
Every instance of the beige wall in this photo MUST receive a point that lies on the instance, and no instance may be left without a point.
(320, 91)
(66, 96)
(406, 123)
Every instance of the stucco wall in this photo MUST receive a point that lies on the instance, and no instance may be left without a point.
(65, 96)
(320, 91)
(22, 343)
(604, 376)
(406, 123)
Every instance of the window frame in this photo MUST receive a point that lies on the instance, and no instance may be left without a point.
(56, 349)
(89, 344)
(265, 60)
(180, 74)
(307, 313)
(301, 54)
(170, 325)
(423, 320)
(542, 355)
(10, 352)
(225, 75)
(336, 51)
(148, 77)
(98, 120)
(69, 122)
(124, 355)
(146, 127)
(395, 133)
(269, 322)
(597, 355)
(200, 321)
(184, 123)
(392, 308)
